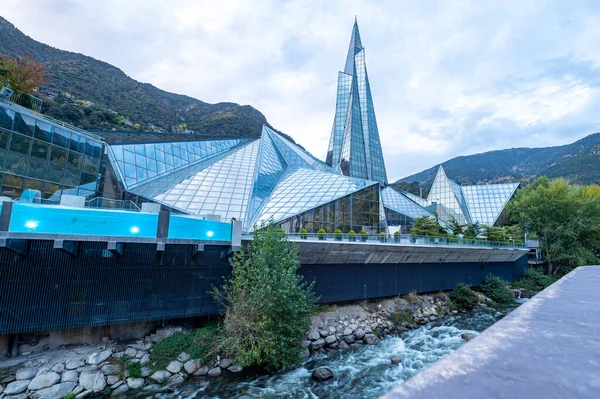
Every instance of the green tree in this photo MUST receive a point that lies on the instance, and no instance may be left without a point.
(267, 303)
(455, 227)
(565, 219)
(473, 229)
(426, 226)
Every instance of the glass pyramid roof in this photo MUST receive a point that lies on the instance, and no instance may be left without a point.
(487, 201)
(443, 193)
(398, 202)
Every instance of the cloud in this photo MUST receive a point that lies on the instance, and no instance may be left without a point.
(448, 78)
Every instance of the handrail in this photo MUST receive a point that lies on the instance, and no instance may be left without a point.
(72, 127)
(402, 239)
(27, 100)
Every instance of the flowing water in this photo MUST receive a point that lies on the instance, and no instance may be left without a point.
(360, 373)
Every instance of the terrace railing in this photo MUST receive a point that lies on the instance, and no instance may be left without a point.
(403, 239)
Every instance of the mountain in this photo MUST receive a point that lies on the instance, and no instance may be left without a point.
(578, 162)
(93, 94)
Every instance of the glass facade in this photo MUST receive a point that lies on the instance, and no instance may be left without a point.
(354, 146)
(400, 210)
(44, 156)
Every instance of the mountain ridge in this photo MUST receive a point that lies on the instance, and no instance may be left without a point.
(93, 94)
(578, 162)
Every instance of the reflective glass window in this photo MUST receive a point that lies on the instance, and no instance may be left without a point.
(4, 138)
(24, 124)
(43, 131)
(55, 173)
(37, 168)
(74, 160)
(15, 163)
(12, 185)
(58, 155)
(39, 149)
(61, 137)
(19, 144)
(7, 117)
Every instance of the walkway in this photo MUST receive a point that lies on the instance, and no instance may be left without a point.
(547, 348)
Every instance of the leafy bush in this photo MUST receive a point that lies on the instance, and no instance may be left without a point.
(362, 233)
(267, 304)
(496, 289)
(303, 234)
(135, 369)
(338, 234)
(321, 234)
(70, 395)
(463, 297)
(198, 344)
(396, 233)
(401, 316)
(534, 280)
(351, 235)
(280, 230)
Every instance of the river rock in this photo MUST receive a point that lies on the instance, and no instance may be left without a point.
(130, 353)
(145, 359)
(214, 372)
(110, 369)
(92, 380)
(175, 367)
(74, 364)
(371, 339)
(58, 391)
(16, 387)
(467, 336)
(98, 358)
(25, 374)
(322, 374)
(145, 372)
(343, 346)
(191, 366)
(112, 379)
(349, 339)
(1, 389)
(58, 368)
(203, 370)
(359, 333)
(120, 390)
(305, 344)
(160, 376)
(318, 344)
(235, 368)
(432, 318)
(135, 383)
(70, 376)
(153, 388)
(43, 381)
(396, 360)
(323, 333)
(314, 335)
(225, 362)
(176, 379)
(330, 339)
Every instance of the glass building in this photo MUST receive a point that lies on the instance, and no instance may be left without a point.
(354, 146)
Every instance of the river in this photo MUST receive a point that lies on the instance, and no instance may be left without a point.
(360, 373)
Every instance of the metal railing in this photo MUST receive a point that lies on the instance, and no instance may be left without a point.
(71, 127)
(403, 239)
(27, 101)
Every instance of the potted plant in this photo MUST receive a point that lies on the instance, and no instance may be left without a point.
(351, 235)
(303, 234)
(382, 236)
(321, 234)
(397, 236)
(363, 235)
(413, 238)
(337, 235)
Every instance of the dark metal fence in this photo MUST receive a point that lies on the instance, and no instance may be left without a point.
(51, 290)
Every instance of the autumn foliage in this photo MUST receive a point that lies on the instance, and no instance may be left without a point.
(24, 74)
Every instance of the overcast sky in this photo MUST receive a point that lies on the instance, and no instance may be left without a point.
(448, 78)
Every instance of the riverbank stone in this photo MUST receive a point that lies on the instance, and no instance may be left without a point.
(94, 381)
(43, 381)
(16, 387)
(58, 368)
(160, 376)
(74, 364)
(396, 360)
(214, 372)
(322, 374)
(70, 376)
(235, 368)
(191, 366)
(25, 374)
(58, 391)
(110, 369)
(371, 339)
(120, 390)
(225, 362)
(135, 383)
(467, 336)
(202, 370)
(175, 367)
(98, 358)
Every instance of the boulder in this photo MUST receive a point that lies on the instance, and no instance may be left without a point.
(330, 339)
(98, 358)
(26, 374)
(70, 376)
(214, 372)
(112, 380)
(314, 335)
(467, 336)
(322, 374)
(43, 370)
(305, 344)
(359, 333)
(145, 359)
(203, 370)
(16, 387)
(370, 339)
(161, 376)
(225, 362)
(432, 318)
(135, 383)
(130, 353)
(110, 369)
(343, 345)
(120, 390)
(175, 367)
(58, 368)
(57, 391)
(318, 344)
(183, 357)
(235, 368)
(84, 394)
(42, 381)
(153, 388)
(323, 333)
(396, 360)
(145, 372)
(349, 339)
(74, 364)
(94, 381)
(347, 331)
(191, 366)
(176, 379)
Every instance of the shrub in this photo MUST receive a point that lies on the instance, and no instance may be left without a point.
(401, 316)
(496, 289)
(463, 297)
(135, 369)
(351, 235)
(321, 234)
(396, 233)
(338, 235)
(534, 280)
(412, 297)
(267, 304)
(363, 235)
(280, 230)
(70, 395)
(198, 344)
(303, 234)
